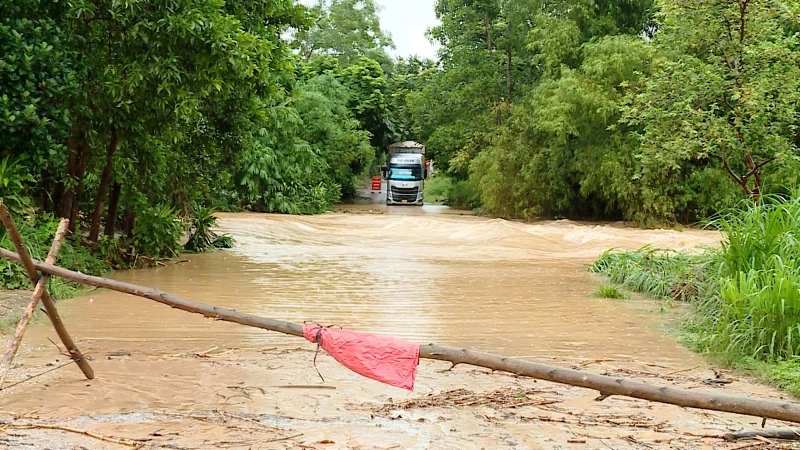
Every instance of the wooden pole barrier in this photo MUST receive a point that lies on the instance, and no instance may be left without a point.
(785, 435)
(606, 385)
(27, 315)
(49, 305)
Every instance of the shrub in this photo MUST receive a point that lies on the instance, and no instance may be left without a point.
(658, 272)
(156, 233)
(13, 180)
(202, 236)
(463, 195)
(437, 189)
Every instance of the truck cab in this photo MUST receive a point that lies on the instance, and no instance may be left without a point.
(405, 174)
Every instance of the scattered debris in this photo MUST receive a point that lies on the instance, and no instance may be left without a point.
(499, 399)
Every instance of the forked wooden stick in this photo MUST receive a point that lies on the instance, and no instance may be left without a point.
(41, 285)
(49, 306)
(786, 411)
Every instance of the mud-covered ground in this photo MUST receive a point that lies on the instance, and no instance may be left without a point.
(274, 399)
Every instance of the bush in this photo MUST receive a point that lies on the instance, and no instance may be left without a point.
(202, 237)
(463, 195)
(437, 189)
(13, 180)
(747, 294)
(156, 233)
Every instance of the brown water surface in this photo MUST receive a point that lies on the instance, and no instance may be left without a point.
(505, 287)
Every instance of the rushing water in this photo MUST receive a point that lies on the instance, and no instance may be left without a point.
(505, 287)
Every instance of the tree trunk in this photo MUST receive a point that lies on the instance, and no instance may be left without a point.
(66, 200)
(46, 189)
(83, 160)
(111, 217)
(127, 221)
(58, 196)
(487, 27)
(508, 73)
(102, 190)
(787, 435)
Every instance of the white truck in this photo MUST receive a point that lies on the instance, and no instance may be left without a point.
(405, 174)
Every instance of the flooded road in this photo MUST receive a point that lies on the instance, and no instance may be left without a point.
(424, 274)
(168, 379)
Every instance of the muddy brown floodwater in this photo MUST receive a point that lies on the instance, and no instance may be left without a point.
(428, 274)
(511, 288)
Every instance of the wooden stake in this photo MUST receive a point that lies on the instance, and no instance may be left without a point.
(786, 411)
(49, 306)
(41, 285)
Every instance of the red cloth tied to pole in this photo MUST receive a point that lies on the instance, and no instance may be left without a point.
(386, 359)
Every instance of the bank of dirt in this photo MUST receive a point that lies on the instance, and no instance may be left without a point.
(168, 379)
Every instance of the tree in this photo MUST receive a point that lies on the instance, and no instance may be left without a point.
(727, 88)
(346, 29)
(333, 132)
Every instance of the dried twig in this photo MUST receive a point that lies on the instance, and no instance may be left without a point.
(284, 438)
(128, 443)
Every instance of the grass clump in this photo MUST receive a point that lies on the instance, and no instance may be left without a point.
(658, 272)
(610, 291)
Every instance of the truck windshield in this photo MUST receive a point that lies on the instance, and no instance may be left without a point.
(409, 173)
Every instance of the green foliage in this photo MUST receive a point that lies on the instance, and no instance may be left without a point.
(564, 109)
(661, 273)
(724, 94)
(560, 153)
(746, 294)
(156, 232)
(282, 173)
(455, 193)
(347, 29)
(37, 77)
(14, 180)
(38, 232)
(463, 195)
(437, 189)
(333, 132)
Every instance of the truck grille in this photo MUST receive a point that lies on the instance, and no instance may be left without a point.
(408, 194)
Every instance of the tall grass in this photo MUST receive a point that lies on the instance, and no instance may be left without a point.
(755, 312)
